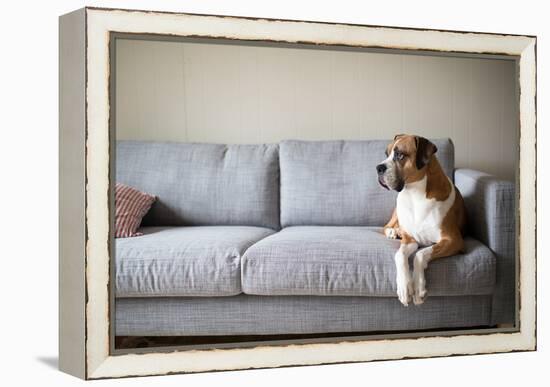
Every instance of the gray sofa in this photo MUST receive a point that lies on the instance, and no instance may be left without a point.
(286, 239)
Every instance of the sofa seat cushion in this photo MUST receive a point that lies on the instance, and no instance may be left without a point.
(354, 261)
(183, 261)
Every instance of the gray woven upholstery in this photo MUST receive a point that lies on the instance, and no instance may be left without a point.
(203, 184)
(183, 261)
(262, 315)
(490, 203)
(354, 261)
(334, 183)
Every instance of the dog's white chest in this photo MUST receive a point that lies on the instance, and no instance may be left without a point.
(419, 216)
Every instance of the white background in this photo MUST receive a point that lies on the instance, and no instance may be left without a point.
(28, 192)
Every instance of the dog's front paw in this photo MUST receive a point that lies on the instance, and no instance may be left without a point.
(404, 290)
(419, 296)
(420, 293)
(391, 233)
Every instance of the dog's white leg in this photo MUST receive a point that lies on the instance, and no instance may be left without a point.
(403, 279)
(421, 260)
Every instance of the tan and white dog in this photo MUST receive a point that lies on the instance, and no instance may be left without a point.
(429, 214)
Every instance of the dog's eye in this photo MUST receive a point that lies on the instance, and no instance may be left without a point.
(398, 156)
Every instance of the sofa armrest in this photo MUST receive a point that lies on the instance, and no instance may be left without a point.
(491, 218)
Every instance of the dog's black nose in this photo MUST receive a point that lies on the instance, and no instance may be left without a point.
(381, 168)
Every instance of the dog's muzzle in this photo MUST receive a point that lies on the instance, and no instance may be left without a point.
(380, 170)
(388, 178)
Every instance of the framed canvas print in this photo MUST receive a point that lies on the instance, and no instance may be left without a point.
(245, 193)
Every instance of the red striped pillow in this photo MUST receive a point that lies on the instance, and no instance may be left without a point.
(131, 206)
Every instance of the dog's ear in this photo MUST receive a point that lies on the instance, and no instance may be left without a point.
(424, 151)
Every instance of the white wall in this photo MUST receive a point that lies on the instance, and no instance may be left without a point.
(205, 92)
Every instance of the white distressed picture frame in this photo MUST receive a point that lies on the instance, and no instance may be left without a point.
(85, 255)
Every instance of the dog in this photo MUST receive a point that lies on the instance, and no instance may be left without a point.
(429, 212)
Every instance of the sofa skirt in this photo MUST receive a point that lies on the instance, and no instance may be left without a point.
(273, 315)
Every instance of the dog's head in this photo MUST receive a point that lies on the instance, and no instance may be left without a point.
(407, 157)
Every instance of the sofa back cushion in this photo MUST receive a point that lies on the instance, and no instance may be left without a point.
(203, 184)
(334, 183)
